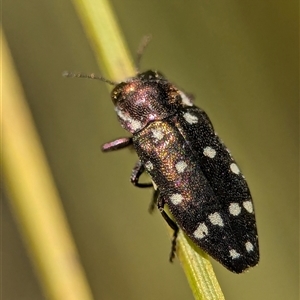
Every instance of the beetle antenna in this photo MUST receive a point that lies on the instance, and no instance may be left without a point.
(89, 76)
(143, 44)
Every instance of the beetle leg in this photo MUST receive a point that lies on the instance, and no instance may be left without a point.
(153, 202)
(137, 171)
(117, 144)
(171, 223)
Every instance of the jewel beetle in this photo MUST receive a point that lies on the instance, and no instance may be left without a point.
(192, 170)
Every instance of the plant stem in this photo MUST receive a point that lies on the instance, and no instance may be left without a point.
(33, 195)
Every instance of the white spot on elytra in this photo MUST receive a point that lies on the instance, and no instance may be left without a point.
(234, 254)
(181, 166)
(234, 168)
(201, 231)
(157, 134)
(216, 219)
(249, 246)
(248, 206)
(209, 152)
(190, 118)
(149, 165)
(185, 99)
(235, 209)
(176, 199)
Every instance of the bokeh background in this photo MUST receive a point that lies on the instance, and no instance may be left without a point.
(240, 60)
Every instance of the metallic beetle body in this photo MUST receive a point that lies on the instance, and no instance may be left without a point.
(194, 172)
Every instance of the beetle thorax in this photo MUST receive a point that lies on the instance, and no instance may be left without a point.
(139, 102)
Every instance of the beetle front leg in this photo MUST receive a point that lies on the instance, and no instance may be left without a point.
(171, 223)
(117, 144)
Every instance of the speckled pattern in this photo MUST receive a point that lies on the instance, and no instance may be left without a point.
(193, 170)
(201, 195)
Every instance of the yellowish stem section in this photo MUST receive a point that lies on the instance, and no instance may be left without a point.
(198, 270)
(34, 198)
(106, 38)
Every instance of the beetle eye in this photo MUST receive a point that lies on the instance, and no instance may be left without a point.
(117, 93)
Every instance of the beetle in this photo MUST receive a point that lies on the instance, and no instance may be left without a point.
(192, 170)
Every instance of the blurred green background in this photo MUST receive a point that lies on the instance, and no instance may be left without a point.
(240, 60)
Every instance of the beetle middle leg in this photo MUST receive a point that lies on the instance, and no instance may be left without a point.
(154, 200)
(137, 171)
(171, 223)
